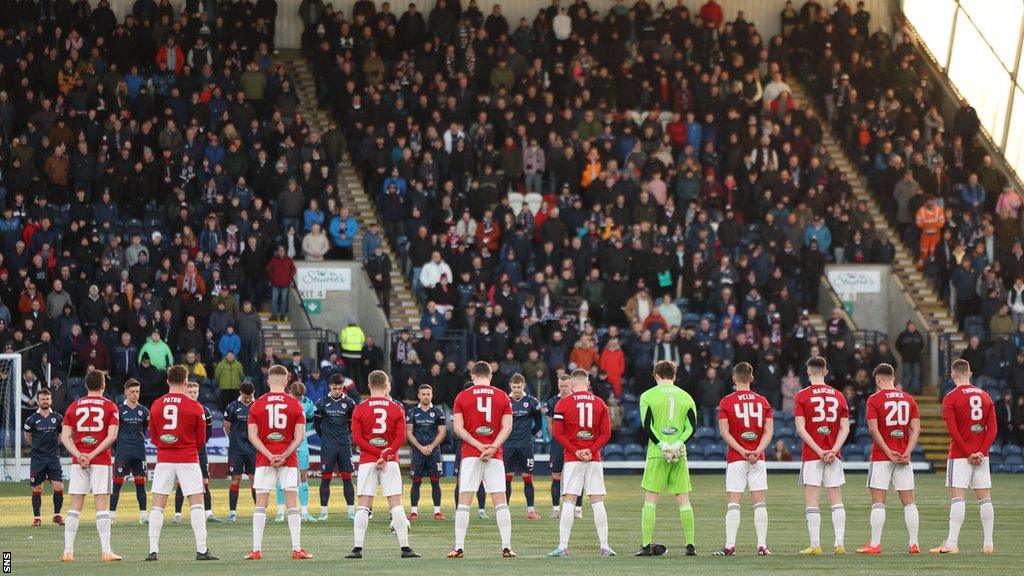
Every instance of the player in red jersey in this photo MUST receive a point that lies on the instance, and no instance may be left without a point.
(971, 421)
(823, 423)
(482, 419)
(177, 426)
(582, 426)
(895, 424)
(89, 429)
(277, 426)
(378, 429)
(746, 424)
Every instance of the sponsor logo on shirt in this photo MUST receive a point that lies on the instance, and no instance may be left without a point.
(824, 429)
(669, 430)
(89, 440)
(168, 438)
(275, 436)
(897, 434)
(584, 435)
(378, 442)
(978, 428)
(749, 435)
(484, 430)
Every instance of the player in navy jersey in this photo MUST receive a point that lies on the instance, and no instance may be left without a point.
(425, 429)
(527, 420)
(241, 454)
(42, 433)
(130, 450)
(192, 390)
(557, 458)
(332, 420)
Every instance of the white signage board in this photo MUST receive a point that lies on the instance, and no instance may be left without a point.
(854, 281)
(318, 281)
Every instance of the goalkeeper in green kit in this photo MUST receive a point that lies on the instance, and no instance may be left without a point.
(669, 416)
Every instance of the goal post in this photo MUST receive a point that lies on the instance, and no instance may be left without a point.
(11, 437)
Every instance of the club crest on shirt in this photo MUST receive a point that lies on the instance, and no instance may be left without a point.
(168, 438)
(484, 430)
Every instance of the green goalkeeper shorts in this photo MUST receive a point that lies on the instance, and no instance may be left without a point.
(662, 477)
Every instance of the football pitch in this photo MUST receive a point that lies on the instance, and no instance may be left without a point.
(38, 550)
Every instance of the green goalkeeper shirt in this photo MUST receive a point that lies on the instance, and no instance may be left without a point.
(668, 414)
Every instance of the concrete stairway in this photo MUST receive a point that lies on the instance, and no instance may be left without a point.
(404, 309)
(279, 335)
(935, 311)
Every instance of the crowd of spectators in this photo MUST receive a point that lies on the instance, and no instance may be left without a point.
(571, 190)
(582, 188)
(156, 183)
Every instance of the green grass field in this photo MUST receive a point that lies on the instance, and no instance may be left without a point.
(38, 550)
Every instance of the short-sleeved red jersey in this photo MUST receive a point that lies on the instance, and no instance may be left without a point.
(90, 419)
(177, 427)
(482, 408)
(893, 410)
(822, 407)
(582, 422)
(378, 424)
(747, 413)
(970, 419)
(275, 415)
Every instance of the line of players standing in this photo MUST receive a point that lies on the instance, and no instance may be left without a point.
(181, 462)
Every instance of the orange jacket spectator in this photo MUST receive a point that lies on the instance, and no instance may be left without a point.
(931, 218)
(613, 362)
(488, 233)
(591, 172)
(584, 355)
(29, 296)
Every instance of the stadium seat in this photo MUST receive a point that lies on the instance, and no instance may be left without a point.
(856, 457)
(867, 448)
(634, 452)
(704, 432)
(994, 458)
(613, 453)
(715, 452)
(1012, 450)
(995, 450)
(1014, 460)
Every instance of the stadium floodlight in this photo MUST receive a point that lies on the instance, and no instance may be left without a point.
(10, 412)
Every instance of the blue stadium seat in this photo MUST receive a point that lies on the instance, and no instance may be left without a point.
(787, 440)
(1012, 450)
(694, 456)
(612, 452)
(918, 451)
(634, 452)
(1014, 460)
(691, 318)
(995, 449)
(715, 452)
(867, 450)
(784, 417)
(796, 447)
(856, 457)
(704, 432)
(1016, 469)
(994, 458)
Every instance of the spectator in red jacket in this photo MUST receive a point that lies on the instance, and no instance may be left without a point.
(613, 362)
(280, 271)
(171, 54)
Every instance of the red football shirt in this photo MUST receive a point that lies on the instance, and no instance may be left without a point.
(582, 422)
(893, 410)
(90, 419)
(970, 419)
(748, 413)
(275, 415)
(377, 424)
(177, 427)
(822, 407)
(482, 408)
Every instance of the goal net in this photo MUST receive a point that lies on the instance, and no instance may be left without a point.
(12, 442)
